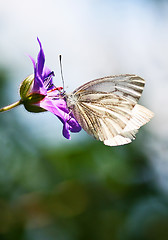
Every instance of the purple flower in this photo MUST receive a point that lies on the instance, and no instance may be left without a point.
(41, 95)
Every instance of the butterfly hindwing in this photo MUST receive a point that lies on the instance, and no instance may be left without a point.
(104, 122)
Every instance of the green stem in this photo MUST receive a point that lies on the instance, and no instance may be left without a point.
(9, 107)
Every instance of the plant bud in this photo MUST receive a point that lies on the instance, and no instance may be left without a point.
(30, 99)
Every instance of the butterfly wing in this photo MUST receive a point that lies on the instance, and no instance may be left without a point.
(128, 86)
(104, 108)
(140, 116)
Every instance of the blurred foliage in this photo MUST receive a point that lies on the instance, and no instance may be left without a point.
(87, 191)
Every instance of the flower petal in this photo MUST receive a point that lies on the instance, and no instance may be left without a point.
(65, 131)
(74, 125)
(40, 60)
(37, 82)
(51, 106)
(38, 86)
(46, 72)
(33, 61)
(58, 108)
(48, 80)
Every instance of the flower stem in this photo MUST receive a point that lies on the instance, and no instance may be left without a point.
(9, 107)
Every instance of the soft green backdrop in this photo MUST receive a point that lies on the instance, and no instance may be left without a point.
(84, 191)
(55, 189)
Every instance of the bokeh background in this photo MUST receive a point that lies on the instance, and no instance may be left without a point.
(52, 188)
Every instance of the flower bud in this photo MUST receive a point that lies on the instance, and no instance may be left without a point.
(30, 99)
(26, 86)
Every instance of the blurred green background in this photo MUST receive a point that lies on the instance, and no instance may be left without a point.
(51, 188)
(82, 191)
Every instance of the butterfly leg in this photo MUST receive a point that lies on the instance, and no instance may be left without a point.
(70, 111)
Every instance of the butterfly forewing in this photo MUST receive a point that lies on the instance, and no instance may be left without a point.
(104, 108)
(127, 86)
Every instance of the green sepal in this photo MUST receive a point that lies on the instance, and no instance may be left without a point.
(26, 86)
(34, 108)
(34, 98)
(31, 100)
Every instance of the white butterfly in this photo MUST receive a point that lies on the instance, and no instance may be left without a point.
(107, 108)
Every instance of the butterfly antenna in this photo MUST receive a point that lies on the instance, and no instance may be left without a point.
(60, 59)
